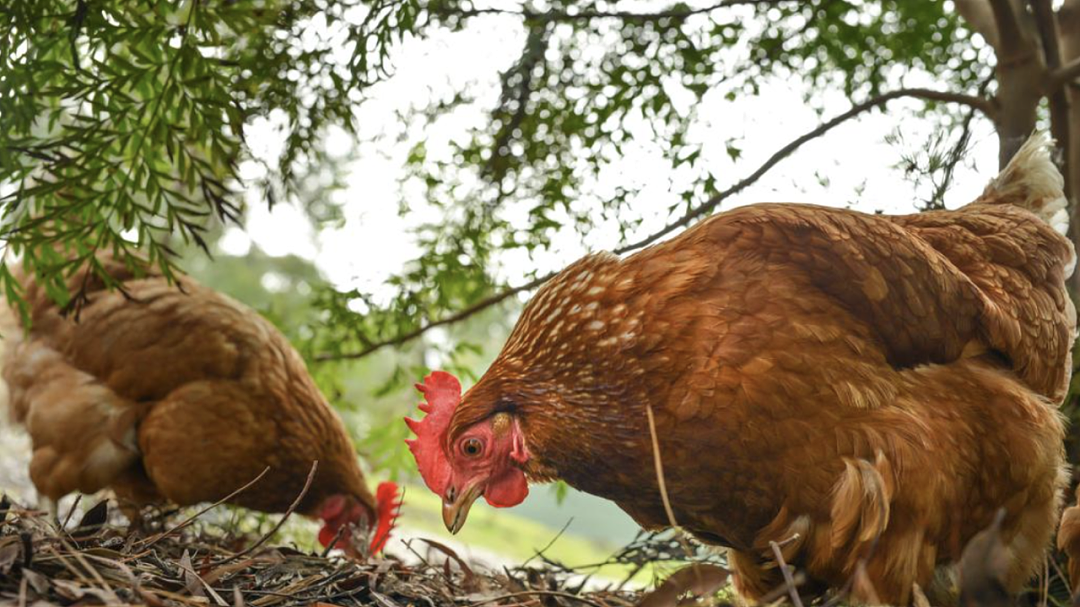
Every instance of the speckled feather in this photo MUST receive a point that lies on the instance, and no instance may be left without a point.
(843, 376)
(172, 393)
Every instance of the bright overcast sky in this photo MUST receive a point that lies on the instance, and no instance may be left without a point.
(374, 242)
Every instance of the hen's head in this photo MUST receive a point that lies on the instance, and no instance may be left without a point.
(484, 458)
(342, 514)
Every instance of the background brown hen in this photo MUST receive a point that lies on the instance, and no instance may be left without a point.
(874, 386)
(167, 392)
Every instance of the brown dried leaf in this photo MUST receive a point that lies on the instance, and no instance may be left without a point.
(9, 553)
(471, 583)
(219, 572)
(92, 521)
(382, 600)
(191, 581)
(149, 598)
(38, 582)
(74, 591)
(169, 572)
(699, 580)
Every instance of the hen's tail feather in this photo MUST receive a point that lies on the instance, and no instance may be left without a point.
(1031, 181)
(389, 499)
(83, 432)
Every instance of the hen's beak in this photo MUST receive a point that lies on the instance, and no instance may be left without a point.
(456, 510)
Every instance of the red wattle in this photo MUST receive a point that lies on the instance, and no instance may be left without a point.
(508, 489)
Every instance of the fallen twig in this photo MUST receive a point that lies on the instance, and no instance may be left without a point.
(193, 517)
(514, 595)
(281, 521)
(785, 570)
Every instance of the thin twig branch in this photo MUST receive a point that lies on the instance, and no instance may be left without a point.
(515, 94)
(477, 307)
(661, 481)
(1068, 72)
(585, 15)
(540, 553)
(957, 154)
(1012, 40)
(1046, 25)
(770, 597)
(658, 462)
(91, 570)
(980, 103)
(71, 511)
(281, 521)
(192, 518)
(978, 16)
(785, 570)
(514, 595)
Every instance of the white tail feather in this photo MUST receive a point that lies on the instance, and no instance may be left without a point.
(1032, 181)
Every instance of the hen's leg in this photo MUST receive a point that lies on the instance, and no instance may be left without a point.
(753, 576)
(133, 492)
(52, 507)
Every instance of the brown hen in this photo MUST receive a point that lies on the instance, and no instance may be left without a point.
(174, 392)
(876, 387)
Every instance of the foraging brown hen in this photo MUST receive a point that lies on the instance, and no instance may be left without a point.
(182, 395)
(876, 386)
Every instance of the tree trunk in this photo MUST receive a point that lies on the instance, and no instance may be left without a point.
(1069, 26)
(1018, 98)
(1021, 73)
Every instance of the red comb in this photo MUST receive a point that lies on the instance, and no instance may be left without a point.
(442, 392)
(389, 506)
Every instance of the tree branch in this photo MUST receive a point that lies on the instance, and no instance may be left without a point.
(560, 16)
(1009, 34)
(980, 17)
(1062, 76)
(957, 154)
(517, 86)
(974, 102)
(1047, 28)
(479, 306)
(979, 103)
(1046, 24)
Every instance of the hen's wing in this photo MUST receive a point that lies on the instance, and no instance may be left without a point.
(1019, 267)
(928, 286)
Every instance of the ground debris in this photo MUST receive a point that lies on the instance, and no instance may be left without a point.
(100, 563)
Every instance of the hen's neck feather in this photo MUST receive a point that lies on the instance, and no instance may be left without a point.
(583, 362)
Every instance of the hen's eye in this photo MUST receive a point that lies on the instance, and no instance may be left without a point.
(472, 447)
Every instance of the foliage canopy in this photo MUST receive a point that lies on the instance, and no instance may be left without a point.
(123, 123)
